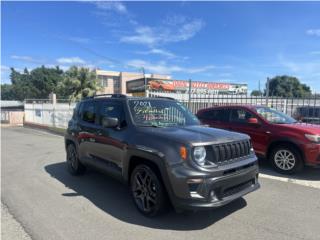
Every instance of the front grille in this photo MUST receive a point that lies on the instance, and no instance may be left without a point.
(224, 153)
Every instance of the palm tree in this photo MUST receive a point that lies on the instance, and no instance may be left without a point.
(79, 82)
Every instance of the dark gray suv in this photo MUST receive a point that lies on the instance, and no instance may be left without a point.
(159, 148)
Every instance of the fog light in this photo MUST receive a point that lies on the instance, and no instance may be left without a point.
(213, 196)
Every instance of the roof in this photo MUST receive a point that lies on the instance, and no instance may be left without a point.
(123, 96)
(8, 103)
(252, 107)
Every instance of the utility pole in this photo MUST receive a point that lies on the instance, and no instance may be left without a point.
(267, 91)
(189, 100)
(145, 81)
(259, 87)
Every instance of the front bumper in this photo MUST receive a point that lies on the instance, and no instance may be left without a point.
(312, 155)
(216, 189)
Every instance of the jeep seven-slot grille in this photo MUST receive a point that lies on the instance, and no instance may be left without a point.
(223, 153)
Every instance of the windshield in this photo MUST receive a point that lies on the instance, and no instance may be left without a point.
(160, 113)
(274, 116)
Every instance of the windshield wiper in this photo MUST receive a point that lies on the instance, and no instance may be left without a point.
(152, 125)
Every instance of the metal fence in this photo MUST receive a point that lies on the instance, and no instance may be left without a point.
(303, 109)
(44, 112)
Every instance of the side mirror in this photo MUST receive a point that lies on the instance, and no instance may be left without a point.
(253, 121)
(109, 122)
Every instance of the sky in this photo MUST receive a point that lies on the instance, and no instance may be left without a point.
(238, 42)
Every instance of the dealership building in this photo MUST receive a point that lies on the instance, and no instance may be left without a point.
(140, 86)
(137, 84)
(116, 82)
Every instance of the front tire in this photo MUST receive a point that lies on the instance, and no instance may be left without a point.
(74, 166)
(286, 159)
(147, 191)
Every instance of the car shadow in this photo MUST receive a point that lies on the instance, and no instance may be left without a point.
(114, 198)
(308, 173)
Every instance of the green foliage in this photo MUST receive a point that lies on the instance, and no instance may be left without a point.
(7, 92)
(287, 86)
(73, 84)
(78, 83)
(256, 93)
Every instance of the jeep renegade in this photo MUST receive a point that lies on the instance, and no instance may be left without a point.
(160, 149)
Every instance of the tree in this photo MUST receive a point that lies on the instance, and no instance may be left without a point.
(78, 83)
(38, 83)
(287, 86)
(256, 93)
(7, 92)
(45, 80)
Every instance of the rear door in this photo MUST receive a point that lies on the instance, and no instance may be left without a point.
(87, 127)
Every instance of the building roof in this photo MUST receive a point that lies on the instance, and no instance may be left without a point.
(8, 103)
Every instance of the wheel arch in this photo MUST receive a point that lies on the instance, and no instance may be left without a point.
(156, 162)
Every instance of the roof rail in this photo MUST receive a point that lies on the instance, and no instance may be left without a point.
(114, 95)
(170, 98)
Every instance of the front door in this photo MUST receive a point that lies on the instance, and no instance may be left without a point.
(239, 123)
(110, 146)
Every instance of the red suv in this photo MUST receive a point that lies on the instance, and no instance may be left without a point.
(288, 144)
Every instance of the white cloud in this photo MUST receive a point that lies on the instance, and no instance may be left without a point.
(164, 34)
(158, 51)
(174, 20)
(4, 69)
(315, 53)
(314, 32)
(164, 68)
(70, 60)
(308, 71)
(25, 59)
(188, 30)
(116, 6)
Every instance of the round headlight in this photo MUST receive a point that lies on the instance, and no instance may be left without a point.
(199, 155)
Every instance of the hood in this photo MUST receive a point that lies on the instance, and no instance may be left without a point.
(303, 127)
(195, 134)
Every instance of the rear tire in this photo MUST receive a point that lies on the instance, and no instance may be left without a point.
(147, 190)
(74, 166)
(285, 159)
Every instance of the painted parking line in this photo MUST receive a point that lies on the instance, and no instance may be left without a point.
(307, 183)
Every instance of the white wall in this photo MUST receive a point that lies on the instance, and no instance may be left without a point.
(48, 114)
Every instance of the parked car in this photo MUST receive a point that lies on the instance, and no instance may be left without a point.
(161, 85)
(160, 149)
(288, 144)
(308, 114)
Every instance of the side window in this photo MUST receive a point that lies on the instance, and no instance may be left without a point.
(207, 115)
(240, 115)
(216, 115)
(223, 115)
(112, 110)
(87, 111)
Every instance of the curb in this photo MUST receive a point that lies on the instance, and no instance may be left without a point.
(53, 130)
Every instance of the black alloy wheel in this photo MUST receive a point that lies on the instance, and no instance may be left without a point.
(75, 167)
(147, 191)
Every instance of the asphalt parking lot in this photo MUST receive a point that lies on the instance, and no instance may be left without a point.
(50, 204)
